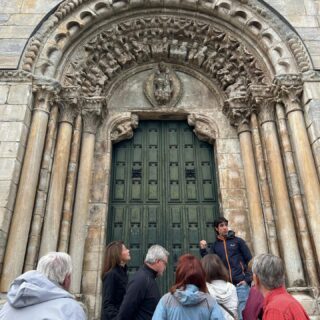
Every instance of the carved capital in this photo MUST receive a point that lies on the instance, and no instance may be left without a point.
(289, 89)
(91, 113)
(123, 128)
(70, 103)
(263, 98)
(204, 128)
(45, 90)
(238, 110)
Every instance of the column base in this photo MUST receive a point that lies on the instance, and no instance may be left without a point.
(309, 298)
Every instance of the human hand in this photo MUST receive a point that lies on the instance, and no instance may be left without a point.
(203, 244)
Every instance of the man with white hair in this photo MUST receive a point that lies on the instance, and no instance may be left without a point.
(143, 294)
(42, 294)
(268, 276)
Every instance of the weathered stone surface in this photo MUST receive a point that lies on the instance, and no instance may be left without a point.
(19, 94)
(13, 131)
(4, 89)
(15, 113)
(8, 191)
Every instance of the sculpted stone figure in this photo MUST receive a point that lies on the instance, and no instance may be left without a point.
(162, 84)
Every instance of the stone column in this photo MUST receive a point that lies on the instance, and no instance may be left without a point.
(264, 186)
(238, 110)
(42, 191)
(263, 97)
(22, 215)
(290, 89)
(51, 228)
(70, 187)
(296, 198)
(91, 112)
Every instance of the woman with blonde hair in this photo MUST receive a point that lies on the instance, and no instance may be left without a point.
(219, 287)
(115, 278)
(188, 298)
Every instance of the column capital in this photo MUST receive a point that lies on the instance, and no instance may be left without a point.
(69, 103)
(91, 112)
(289, 89)
(44, 89)
(263, 97)
(238, 111)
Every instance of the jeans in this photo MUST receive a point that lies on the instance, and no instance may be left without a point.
(242, 293)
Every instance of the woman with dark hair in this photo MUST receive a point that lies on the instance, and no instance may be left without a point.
(115, 278)
(188, 298)
(217, 282)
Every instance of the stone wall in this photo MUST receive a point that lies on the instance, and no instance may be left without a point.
(15, 115)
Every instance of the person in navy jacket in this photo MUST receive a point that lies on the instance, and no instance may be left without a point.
(235, 255)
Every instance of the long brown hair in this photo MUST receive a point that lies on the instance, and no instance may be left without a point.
(189, 271)
(112, 256)
(214, 268)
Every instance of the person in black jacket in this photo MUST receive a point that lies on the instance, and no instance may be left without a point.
(143, 294)
(115, 279)
(235, 255)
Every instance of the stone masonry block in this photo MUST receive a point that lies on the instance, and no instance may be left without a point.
(13, 131)
(14, 113)
(16, 32)
(10, 6)
(5, 219)
(10, 169)
(4, 89)
(19, 94)
(8, 192)
(228, 146)
(21, 19)
(31, 6)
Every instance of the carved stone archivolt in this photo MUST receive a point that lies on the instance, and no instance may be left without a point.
(186, 41)
(163, 87)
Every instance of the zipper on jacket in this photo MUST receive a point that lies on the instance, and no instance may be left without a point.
(226, 253)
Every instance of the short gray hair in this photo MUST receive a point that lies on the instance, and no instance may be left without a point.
(55, 266)
(269, 269)
(155, 253)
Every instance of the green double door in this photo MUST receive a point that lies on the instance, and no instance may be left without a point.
(163, 191)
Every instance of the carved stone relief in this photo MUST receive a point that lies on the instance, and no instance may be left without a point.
(186, 41)
(123, 128)
(204, 127)
(163, 87)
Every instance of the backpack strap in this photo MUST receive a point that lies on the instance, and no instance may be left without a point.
(226, 309)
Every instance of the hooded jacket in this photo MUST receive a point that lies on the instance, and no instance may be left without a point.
(188, 304)
(226, 294)
(34, 296)
(235, 255)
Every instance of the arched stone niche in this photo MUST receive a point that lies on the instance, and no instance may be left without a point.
(238, 55)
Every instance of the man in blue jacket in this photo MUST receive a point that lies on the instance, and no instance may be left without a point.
(235, 255)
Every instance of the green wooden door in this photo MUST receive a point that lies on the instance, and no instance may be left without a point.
(163, 191)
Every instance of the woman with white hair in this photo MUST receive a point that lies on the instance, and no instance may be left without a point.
(42, 294)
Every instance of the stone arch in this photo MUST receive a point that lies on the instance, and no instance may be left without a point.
(238, 46)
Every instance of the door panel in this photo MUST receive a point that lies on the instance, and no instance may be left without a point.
(163, 191)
